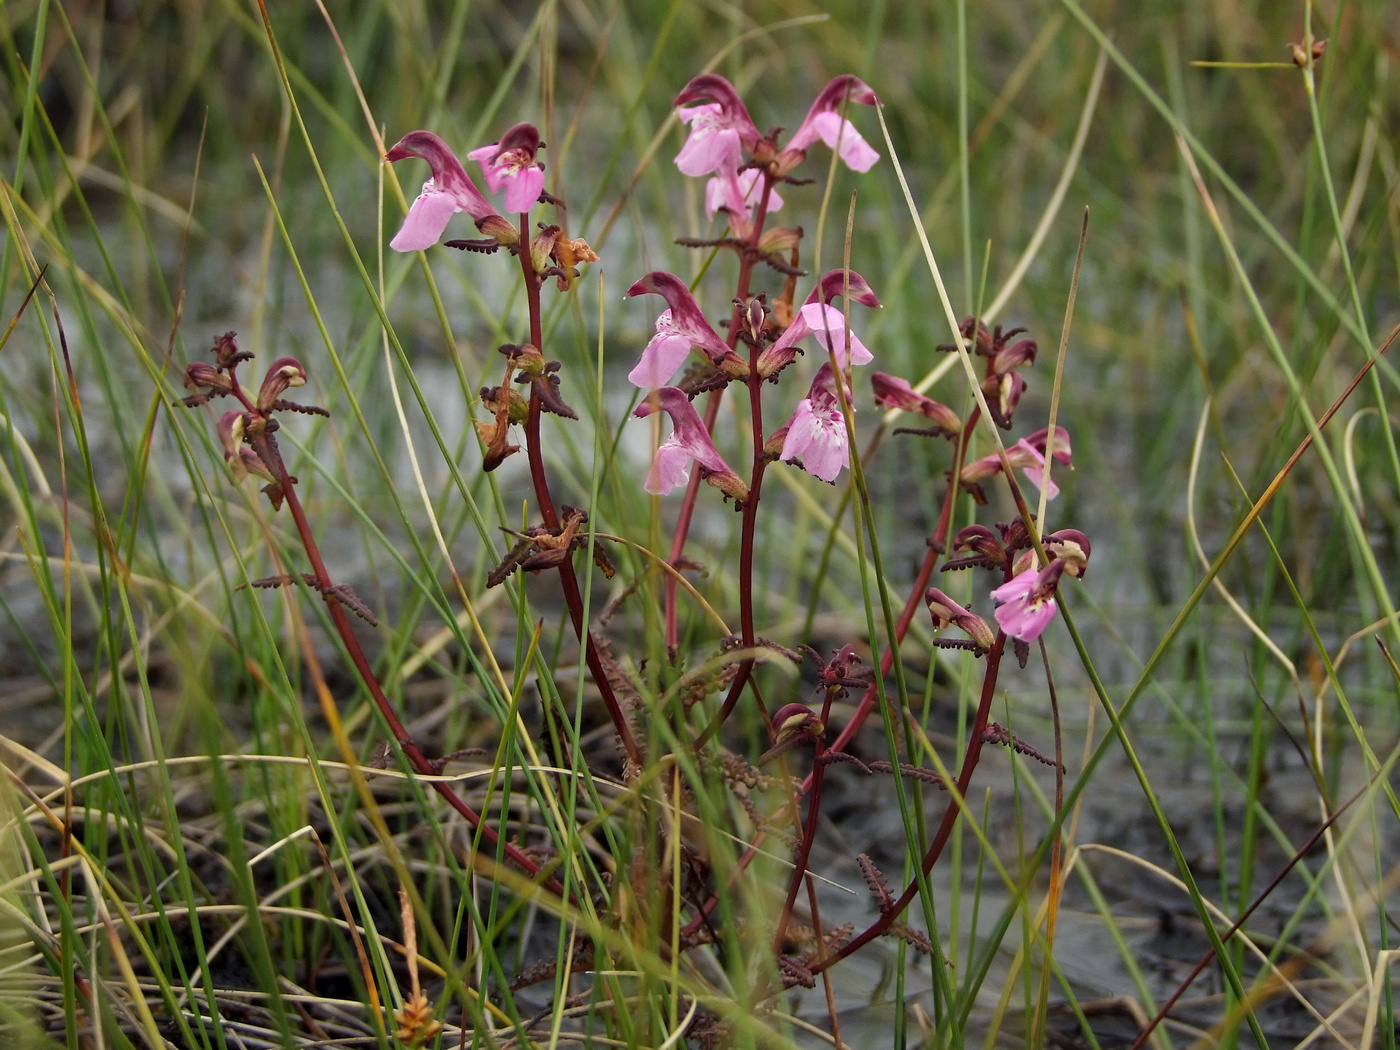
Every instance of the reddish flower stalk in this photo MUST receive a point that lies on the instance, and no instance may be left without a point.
(976, 738)
(936, 544)
(754, 382)
(568, 580)
(266, 448)
(256, 425)
(747, 260)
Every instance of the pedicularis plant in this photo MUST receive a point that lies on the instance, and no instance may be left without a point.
(688, 358)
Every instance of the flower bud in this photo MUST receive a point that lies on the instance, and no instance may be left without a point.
(231, 428)
(285, 372)
(894, 392)
(980, 540)
(226, 352)
(526, 358)
(499, 229)
(1003, 394)
(730, 484)
(542, 247)
(778, 239)
(793, 719)
(241, 460)
(1024, 562)
(203, 374)
(754, 314)
(1021, 352)
(517, 406)
(776, 440)
(945, 611)
(1070, 546)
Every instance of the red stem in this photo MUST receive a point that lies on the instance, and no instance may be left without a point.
(937, 543)
(747, 258)
(950, 815)
(568, 580)
(265, 445)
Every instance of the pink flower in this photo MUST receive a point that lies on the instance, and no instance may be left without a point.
(893, 392)
(1027, 455)
(720, 130)
(824, 121)
(817, 430)
(818, 317)
(677, 330)
(689, 440)
(511, 164)
(1026, 605)
(828, 324)
(449, 191)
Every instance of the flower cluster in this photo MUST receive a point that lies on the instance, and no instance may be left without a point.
(239, 426)
(740, 357)
(511, 168)
(1025, 601)
(744, 169)
(725, 144)
(1002, 383)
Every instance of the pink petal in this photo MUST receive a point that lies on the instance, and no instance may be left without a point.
(1034, 474)
(819, 438)
(662, 356)
(486, 156)
(824, 121)
(1018, 587)
(725, 108)
(686, 315)
(823, 319)
(738, 193)
(689, 440)
(523, 189)
(841, 135)
(670, 469)
(1024, 620)
(1019, 614)
(708, 150)
(427, 218)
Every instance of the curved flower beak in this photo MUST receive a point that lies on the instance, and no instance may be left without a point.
(818, 316)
